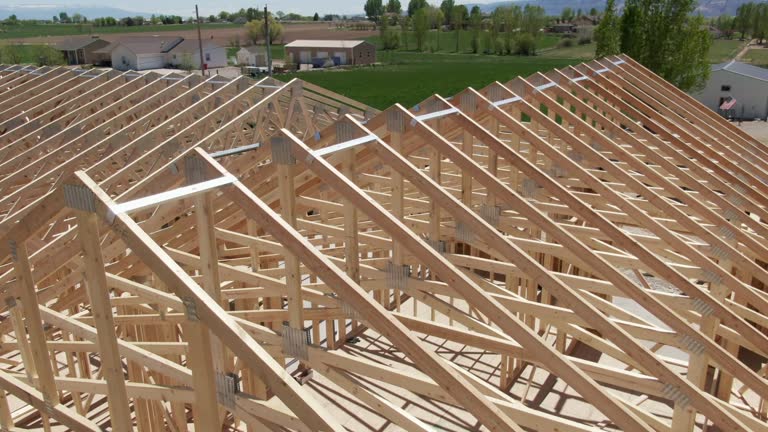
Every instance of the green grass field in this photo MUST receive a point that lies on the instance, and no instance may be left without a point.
(445, 42)
(724, 49)
(278, 52)
(582, 52)
(410, 77)
(757, 56)
(42, 30)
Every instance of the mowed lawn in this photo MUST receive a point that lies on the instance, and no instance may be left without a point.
(583, 52)
(411, 77)
(757, 56)
(42, 30)
(725, 49)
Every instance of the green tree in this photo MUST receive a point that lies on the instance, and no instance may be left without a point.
(316, 17)
(593, 12)
(373, 9)
(744, 18)
(186, 63)
(631, 42)
(525, 44)
(389, 38)
(439, 20)
(393, 6)
(256, 32)
(566, 15)
(457, 17)
(665, 37)
(476, 25)
(420, 27)
(608, 32)
(415, 5)
(447, 7)
(405, 28)
(497, 23)
(533, 19)
(513, 16)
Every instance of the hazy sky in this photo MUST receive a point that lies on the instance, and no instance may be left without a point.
(187, 7)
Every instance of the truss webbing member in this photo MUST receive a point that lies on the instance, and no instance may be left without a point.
(460, 282)
(208, 311)
(368, 310)
(562, 291)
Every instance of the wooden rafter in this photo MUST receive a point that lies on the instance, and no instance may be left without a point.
(578, 249)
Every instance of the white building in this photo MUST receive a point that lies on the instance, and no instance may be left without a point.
(737, 90)
(214, 56)
(140, 53)
(252, 56)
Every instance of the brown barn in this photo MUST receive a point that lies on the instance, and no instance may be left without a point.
(341, 52)
(82, 50)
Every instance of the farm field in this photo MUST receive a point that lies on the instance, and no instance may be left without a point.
(23, 31)
(221, 33)
(445, 42)
(410, 77)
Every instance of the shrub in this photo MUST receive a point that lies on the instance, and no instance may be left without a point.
(584, 37)
(48, 56)
(391, 40)
(566, 43)
(525, 44)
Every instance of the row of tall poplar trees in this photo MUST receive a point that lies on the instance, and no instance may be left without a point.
(663, 35)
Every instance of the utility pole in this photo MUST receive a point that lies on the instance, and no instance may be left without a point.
(200, 43)
(269, 50)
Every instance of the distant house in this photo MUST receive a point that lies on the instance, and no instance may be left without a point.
(142, 52)
(562, 28)
(715, 32)
(83, 50)
(585, 21)
(736, 90)
(252, 56)
(340, 52)
(214, 55)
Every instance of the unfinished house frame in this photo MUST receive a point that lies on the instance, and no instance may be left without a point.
(579, 250)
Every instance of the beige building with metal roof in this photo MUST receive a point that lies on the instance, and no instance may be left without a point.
(341, 52)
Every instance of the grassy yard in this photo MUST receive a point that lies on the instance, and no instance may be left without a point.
(724, 49)
(582, 52)
(278, 51)
(445, 42)
(41, 30)
(409, 77)
(757, 56)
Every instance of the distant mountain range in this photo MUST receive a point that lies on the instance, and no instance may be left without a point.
(47, 11)
(708, 8)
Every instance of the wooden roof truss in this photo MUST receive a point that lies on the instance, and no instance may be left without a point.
(576, 250)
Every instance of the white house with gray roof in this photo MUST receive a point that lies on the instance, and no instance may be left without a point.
(737, 90)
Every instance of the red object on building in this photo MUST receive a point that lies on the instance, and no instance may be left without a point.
(728, 104)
